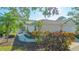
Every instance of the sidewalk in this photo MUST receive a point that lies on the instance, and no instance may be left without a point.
(74, 46)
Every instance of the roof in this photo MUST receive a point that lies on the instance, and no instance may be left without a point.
(57, 21)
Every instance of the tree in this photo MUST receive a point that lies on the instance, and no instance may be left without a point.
(74, 15)
(49, 11)
(46, 11)
(16, 17)
(22, 13)
(61, 18)
(38, 25)
(9, 23)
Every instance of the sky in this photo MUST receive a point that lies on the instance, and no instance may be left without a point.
(63, 11)
(38, 15)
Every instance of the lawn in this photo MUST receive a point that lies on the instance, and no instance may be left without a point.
(9, 48)
(5, 48)
(56, 41)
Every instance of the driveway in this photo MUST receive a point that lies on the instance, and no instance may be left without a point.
(74, 46)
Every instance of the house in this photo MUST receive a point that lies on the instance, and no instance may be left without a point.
(56, 25)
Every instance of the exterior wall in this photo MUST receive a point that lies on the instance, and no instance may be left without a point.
(54, 26)
(70, 27)
(51, 28)
(30, 28)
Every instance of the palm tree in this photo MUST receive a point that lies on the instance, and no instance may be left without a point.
(38, 25)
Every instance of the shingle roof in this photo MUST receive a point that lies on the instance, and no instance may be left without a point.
(56, 21)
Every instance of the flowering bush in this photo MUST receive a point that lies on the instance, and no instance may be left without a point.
(39, 36)
(70, 36)
(60, 41)
(40, 33)
(55, 41)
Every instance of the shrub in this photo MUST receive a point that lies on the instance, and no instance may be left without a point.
(60, 41)
(55, 41)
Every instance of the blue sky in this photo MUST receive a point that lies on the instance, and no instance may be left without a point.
(38, 15)
(62, 12)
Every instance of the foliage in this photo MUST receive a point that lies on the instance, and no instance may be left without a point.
(61, 18)
(63, 40)
(60, 41)
(38, 25)
(47, 11)
(37, 35)
(55, 41)
(22, 14)
(74, 15)
(9, 23)
(41, 33)
(13, 19)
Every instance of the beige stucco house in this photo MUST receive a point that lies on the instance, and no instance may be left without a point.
(56, 25)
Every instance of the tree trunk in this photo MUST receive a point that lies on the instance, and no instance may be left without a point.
(61, 27)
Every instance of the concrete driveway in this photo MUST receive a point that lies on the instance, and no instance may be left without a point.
(74, 46)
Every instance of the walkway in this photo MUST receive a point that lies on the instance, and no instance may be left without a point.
(74, 46)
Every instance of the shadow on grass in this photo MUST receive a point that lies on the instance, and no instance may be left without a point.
(2, 43)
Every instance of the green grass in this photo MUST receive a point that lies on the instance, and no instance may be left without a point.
(5, 48)
(8, 48)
